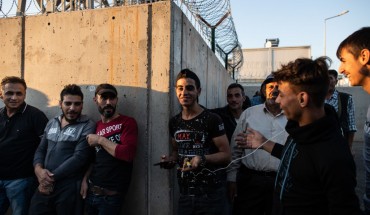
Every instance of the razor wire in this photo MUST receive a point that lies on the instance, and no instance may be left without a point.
(211, 18)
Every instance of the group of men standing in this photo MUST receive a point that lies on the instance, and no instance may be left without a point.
(73, 157)
(289, 155)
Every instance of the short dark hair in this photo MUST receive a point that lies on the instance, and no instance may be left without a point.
(307, 75)
(187, 73)
(356, 42)
(71, 89)
(236, 85)
(333, 72)
(13, 80)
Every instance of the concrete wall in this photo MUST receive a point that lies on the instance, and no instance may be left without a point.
(360, 98)
(139, 49)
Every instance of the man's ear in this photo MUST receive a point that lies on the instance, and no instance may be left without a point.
(303, 99)
(365, 56)
(199, 91)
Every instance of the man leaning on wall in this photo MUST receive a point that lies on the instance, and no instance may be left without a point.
(21, 128)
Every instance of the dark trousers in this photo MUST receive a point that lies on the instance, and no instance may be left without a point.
(65, 200)
(211, 202)
(254, 192)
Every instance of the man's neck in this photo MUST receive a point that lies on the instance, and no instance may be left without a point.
(191, 112)
(330, 93)
(310, 115)
(236, 112)
(106, 120)
(11, 111)
(274, 109)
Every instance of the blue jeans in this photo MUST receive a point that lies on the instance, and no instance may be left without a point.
(17, 193)
(102, 205)
(366, 155)
(210, 203)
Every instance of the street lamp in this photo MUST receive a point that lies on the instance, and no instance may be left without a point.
(344, 12)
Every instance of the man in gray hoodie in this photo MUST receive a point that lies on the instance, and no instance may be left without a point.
(62, 157)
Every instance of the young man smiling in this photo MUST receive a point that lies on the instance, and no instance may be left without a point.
(199, 146)
(354, 54)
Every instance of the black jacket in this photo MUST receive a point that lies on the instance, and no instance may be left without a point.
(317, 174)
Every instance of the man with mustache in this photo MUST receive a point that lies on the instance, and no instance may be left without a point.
(21, 129)
(62, 157)
(354, 54)
(107, 181)
(251, 179)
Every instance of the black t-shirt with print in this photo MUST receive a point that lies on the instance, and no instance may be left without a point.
(194, 137)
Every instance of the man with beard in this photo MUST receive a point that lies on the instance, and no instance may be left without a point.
(107, 181)
(62, 157)
(344, 106)
(252, 175)
(354, 54)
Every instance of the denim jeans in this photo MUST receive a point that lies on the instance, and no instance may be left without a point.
(210, 203)
(366, 155)
(17, 193)
(102, 205)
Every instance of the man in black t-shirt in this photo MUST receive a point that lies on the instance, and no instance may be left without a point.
(21, 128)
(199, 146)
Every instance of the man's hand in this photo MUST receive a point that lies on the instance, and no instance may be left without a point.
(252, 139)
(93, 139)
(167, 162)
(84, 188)
(44, 176)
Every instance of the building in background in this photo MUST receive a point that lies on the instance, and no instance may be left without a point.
(260, 62)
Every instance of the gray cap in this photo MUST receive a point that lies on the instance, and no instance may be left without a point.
(269, 78)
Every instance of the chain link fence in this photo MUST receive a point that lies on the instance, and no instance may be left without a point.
(212, 19)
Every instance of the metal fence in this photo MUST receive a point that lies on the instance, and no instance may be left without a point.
(212, 18)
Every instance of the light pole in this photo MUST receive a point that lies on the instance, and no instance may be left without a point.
(344, 12)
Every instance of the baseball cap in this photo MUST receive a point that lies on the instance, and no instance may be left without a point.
(269, 78)
(105, 88)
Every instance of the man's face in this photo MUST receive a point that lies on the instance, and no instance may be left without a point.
(187, 92)
(13, 95)
(289, 101)
(235, 98)
(355, 71)
(272, 92)
(107, 103)
(332, 82)
(71, 107)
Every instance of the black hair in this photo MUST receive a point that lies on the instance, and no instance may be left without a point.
(71, 89)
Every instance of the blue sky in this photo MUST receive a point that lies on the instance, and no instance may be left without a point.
(298, 23)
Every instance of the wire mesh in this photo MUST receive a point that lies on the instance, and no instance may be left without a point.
(212, 19)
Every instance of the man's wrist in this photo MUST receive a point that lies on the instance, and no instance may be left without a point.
(203, 161)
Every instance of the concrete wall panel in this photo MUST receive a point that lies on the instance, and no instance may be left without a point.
(11, 47)
(139, 49)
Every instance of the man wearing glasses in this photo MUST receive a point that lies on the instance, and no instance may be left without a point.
(62, 157)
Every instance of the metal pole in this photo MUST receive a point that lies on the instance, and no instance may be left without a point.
(344, 12)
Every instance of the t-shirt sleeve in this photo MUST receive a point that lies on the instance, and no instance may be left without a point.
(126, 150)
(217, 126)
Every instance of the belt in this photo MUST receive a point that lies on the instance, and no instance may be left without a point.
(194, 191)
(257, 172)
(99, 191)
